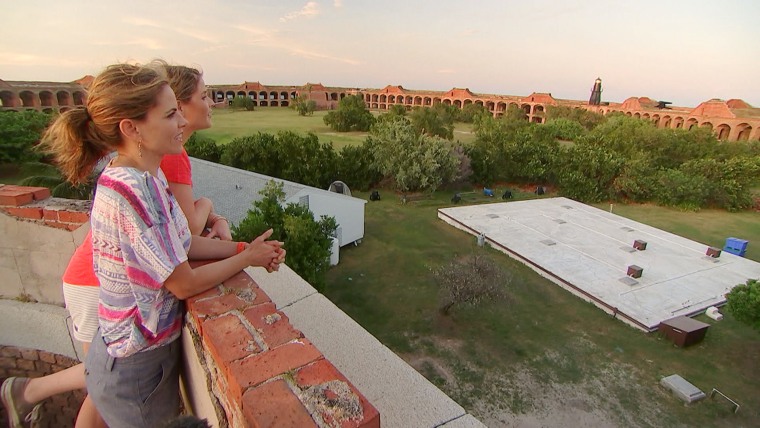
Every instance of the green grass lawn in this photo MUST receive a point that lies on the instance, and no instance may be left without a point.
(229, 124)
(481, 355)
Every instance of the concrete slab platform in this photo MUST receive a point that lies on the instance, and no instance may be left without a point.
(682, 388)
(588, 251)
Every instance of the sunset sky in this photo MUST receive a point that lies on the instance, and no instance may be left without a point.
(685, 52)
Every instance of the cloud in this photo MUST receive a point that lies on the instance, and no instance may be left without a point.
(445, 71)
(150, 44)
(338, 3)
(317, 55)
(24, 59)
(270, 39)
(310, 9)
(142, 22)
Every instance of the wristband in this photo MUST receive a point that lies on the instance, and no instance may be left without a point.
(240, 247)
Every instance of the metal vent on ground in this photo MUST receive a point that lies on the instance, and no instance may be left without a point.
(627, 229)
(559, 221)
(492, 216)
(548, 242)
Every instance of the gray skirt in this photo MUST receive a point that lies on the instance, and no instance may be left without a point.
(139, 391)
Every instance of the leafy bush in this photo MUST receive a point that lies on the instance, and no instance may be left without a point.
(202, 147)
(19, 134)
(307, 241)
(351, 115)
(744, 303)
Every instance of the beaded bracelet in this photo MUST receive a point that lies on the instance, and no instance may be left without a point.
(240, 247)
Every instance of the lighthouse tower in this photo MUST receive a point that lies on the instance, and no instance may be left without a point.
(596, 93)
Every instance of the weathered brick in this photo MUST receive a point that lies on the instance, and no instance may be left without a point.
(259, 368)
(9, 351)
(26, 365)
(30, 354)
(49, 213)
(274, 405)
(15, 198)
(228, 339)
(320, 373)
(273, 325)
(47, 357)
(74, 217)
(8, 362)
(33, 213)
(218, 305)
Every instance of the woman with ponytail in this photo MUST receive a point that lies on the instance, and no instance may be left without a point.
(140, 241)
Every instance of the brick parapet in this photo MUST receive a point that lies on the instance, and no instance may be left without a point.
(265, 372)
(35, 204)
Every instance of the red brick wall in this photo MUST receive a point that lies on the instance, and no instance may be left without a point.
(58, 411)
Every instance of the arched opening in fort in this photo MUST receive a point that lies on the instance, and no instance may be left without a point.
(707, 125)
(230, 96)
(538, 109)
(79, 98)
(64, 98)
(436, 100)
(263, 95)
(490, 106)
(467, 102)
(666, 121)
(274, 104)
(722, 132)
(283, 95)
(7, 99)
(691, 123)
(637, 115)
(678, 123)
(47, 110)
(418, 101)
(526, 108)
(263, 103)
(46, 99)
(447, 102)
(427, 102)
(628, 114)
(240, 94)
(219, 96)
(273, 95)
(457, 103)
(744, 131)
(27, 99)
(293, 95)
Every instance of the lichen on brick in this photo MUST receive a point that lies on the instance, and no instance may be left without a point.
(334, 401)
(272, 318)
(246, 295)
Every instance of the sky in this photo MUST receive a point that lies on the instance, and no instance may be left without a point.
(680, 51)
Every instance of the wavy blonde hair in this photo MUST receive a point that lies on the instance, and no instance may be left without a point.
(78, 138)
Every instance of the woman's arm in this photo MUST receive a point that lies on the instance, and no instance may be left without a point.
(197, 213)
(186, 281)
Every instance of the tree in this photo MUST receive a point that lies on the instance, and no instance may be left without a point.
(435, 122)
(351, 115)
(303, 105)
(586, 172)
(397, 109)
(470, 280)
(585, 118)
(202, 147)
(356, 166)
(743, 302)
(415, 162)
(258, 153)
(470, 113)
(242, 102)
(307, 241)
(19, 134)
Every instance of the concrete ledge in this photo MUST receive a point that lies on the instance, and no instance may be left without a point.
(38, 326)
